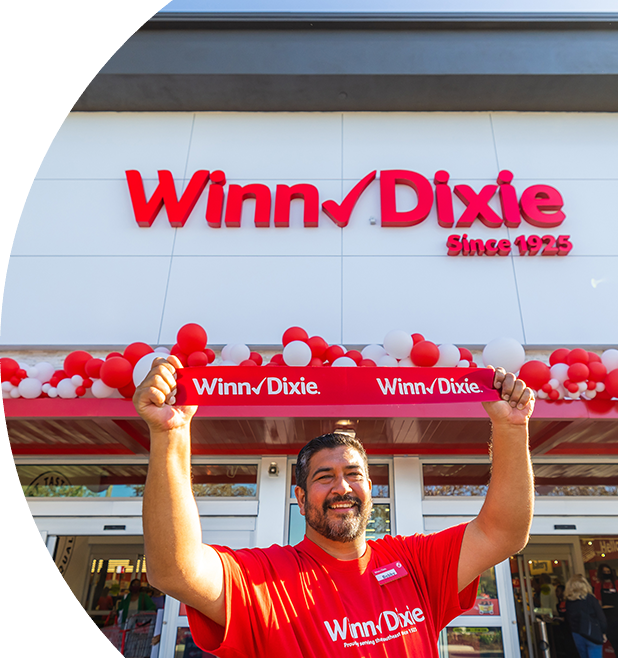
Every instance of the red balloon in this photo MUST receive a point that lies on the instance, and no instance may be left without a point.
(578, 372)
(197, 359)
(294, 333)
(15, 380)
(248, 362)
(93, 367)
(316, 362)
(80, 391)
(554, 395)
(87, 383)
(191, 338)
(257, 358)
(127, 391)
(597, 371)
(318, 346)
(112, 355)
(592, 386)
(178, 353)
(75, 363)
(547, 388)
(466, 354)
(277, 360)
(210, 354)
(559, 356)
(355, 355)
(611, 384)
(571, 386)
(536, 374)
(578, 355)
(417, 338)
(425, 354)
(8, 368)
(21, 373)
(117, 372)
(602, 395)
(333, 353)
(368, 363)
(593, 357)
(135, 351)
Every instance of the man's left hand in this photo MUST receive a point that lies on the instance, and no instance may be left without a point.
(517, 403)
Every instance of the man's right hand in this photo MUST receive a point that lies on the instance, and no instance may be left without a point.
(154, 397)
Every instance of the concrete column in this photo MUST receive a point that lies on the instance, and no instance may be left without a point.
(270, 523)
(408, 490)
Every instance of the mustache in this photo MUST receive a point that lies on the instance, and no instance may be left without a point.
(348, 498)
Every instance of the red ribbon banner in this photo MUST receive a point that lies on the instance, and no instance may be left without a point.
(274, 385)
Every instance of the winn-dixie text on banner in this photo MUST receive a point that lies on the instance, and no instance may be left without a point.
(233, 386)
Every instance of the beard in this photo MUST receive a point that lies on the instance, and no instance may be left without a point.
(347, 527)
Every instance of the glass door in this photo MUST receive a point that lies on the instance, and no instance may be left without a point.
(21, 559)
(539, 574)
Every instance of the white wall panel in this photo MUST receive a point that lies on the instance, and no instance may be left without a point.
(281, 146)
(18, 138)
(574, 303)
(196, 238)
(254, 299)
(461, 144)
(83, 301)
(104, 145)
(464, 301)
(556, 145)
(88, 218)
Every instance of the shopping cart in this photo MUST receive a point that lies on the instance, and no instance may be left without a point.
(108, 642)
(134, 639)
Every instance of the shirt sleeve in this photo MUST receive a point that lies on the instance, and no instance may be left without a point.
(247, 607)
(438, 554)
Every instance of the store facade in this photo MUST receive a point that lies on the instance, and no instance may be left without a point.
(102, 266)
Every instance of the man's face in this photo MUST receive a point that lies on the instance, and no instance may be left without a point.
(337, 503)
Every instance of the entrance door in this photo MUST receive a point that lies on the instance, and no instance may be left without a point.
(536, 573)
(21, 560)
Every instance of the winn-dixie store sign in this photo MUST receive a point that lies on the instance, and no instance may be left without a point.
(227, 386)
(539, 206)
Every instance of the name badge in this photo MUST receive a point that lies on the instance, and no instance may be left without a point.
(390, 572)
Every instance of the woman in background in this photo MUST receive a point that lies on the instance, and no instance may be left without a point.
(606, 592)
(585, 616)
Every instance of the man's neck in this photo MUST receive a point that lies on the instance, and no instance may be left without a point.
(349, 550)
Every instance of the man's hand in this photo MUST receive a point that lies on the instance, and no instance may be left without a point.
(517, 402)
(154, 397)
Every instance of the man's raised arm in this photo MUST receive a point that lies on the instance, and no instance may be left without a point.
(179, 564)
(503, 524)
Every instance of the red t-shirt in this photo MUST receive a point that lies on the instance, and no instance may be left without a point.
(299, 601)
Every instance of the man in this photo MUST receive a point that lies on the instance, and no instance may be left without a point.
(333, 594)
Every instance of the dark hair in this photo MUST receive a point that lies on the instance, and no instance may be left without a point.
(601, 576)
(332, 440)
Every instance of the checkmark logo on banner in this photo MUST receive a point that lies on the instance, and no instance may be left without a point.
(430, 388)
(259, 387)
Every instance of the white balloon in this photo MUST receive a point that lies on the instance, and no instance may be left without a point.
(32, 372)
(53, 392)
(46, 386)
(582, 386)
(398, 343)
(609, 358)
(101, 390)
(162, 350)
(560, 371)
(66, 389)
(406, 363)
(298, 353)
(373, 352)
(227, 363)
(464, 363)
(600, 387)
(542, 395)
(554, 383)
(504, 353)
(450, 356)
(77, 380)
(30, 388)
(5, 394)
(15, 393)
(591, 395)
(343, 362)
(388, 361)
(225, 352)
(7, 386)
(239, 353)
(44, 371)
(143, 367)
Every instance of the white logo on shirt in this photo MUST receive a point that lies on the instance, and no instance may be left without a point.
(388, 620)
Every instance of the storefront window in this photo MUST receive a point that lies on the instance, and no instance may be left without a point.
(186, 647)
(15, 568)
(457, 642)
(550, 479)
(486, 603)
(128, 480)
(598, 551)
